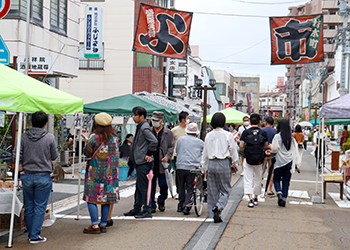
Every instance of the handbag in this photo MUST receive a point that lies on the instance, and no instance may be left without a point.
(88, 162)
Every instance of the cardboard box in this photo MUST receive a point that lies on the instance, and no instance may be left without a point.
(6, 218)
(6, 184)
(333, 177)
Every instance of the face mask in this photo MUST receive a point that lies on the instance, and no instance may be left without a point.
(129, 143)
(187, 121)
(156, 124)
(230, 129)
(246, 123)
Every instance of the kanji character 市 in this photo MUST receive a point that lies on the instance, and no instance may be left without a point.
(292, 40)
(164, 37)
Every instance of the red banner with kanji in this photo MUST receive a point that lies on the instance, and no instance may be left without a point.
(162, 32)
(296, 39)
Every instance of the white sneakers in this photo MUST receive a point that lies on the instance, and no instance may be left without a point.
(38, 240)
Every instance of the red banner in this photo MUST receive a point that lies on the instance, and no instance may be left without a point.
(249, 103)
(162, 32)
(297, 39)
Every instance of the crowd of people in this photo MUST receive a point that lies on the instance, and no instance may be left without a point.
(152, 151)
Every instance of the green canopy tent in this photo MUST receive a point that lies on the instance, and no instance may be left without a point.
(232, 115)
(338, 122)
(24, 94)
(123, 105)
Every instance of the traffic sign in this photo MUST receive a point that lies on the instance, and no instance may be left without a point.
(4, 7)
(4, 52)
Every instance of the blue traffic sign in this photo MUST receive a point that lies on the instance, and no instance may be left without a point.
(4, 52)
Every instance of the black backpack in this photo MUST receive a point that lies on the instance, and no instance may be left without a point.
(254, 147)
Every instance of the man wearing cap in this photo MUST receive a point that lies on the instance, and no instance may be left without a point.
(189, 152)
(162, 158)
(255, 142)
(143, 147)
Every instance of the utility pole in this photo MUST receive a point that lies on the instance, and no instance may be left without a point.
(343, 11)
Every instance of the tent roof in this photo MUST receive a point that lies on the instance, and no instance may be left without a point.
(232, 115)
(123, 105)
(339, 108)
(338, 122)
(169, 104)
(22, 93)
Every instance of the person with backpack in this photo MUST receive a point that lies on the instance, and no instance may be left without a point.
(255, 141)
(287, 157)
(246, 125)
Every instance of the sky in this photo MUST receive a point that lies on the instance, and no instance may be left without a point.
(242, 44)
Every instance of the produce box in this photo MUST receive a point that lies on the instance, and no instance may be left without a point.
(6, 218)
(333, 177)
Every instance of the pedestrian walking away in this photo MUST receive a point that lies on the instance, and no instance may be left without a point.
(162, 157)
(189, 152)
(269, 159)
(287, 158)
(38, 150)
(255, 144)
(219, 154)
(306, 133)
(179, 131)
(299, 138)
(101, 186)
(246, 125)
(143, 148)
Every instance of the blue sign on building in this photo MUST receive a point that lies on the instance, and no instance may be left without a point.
(4, 52)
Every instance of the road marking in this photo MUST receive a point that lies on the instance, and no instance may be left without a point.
(65, 216)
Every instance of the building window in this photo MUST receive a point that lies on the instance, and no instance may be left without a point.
(146, 60)
(19, 10)
(281, 100)
(263, 100)
(58, 16)
(221, 87)
(161, 3)
(242, 84)
(90, 63)
(251, 84)
(254, 95)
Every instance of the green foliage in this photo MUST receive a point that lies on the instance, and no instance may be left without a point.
(310, 137)
(346, 145)
(56, 118)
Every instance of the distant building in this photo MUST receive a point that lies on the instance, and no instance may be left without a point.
(273, 104)
(248, 85)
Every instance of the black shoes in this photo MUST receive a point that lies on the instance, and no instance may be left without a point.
(186, 211)
(143, 215)
(153, 210)
(179, 209)
(281, 202)
(132, 212)
(161, 207)
(109, 223)
(217, 218)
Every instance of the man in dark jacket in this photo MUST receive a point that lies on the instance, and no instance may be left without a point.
(143, 147)
(38, 150)
(162, 158)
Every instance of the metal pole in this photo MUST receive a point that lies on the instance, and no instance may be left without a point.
(317, 159)
(79, 179)
(344, 12)
(310, 87)
(15, 181)
(204, 126)
(322, 163)
(26, 60)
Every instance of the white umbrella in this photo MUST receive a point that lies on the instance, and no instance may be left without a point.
(169, 178)
(305, 124)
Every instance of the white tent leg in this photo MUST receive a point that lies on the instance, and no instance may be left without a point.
(15, 184)
(322, 163)
(74, 153)
(79, 179)
(317, 159)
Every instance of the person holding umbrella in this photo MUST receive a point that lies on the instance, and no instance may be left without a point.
(162, 157)
(143, 147)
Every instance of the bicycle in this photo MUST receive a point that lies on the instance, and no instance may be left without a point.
(198, 191)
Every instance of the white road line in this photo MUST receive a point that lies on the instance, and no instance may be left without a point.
(133, 218)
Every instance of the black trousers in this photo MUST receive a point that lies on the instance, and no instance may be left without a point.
(185, 188)
(142, 187)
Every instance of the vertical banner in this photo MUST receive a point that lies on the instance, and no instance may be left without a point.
(297, 39)
(249, 103)
(162, 32)
(307, 116)
(93, 32)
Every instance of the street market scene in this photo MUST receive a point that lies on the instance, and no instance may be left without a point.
(174, 124)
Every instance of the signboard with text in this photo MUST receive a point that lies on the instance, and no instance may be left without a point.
(37, 64)
(93, 32)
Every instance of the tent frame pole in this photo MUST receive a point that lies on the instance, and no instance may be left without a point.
(15, 182)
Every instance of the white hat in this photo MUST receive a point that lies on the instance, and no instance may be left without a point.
(192, 128)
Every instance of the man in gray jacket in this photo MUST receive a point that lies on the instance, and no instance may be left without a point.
(38, 150)
(143, 147)
(162, 156)
(189, 152)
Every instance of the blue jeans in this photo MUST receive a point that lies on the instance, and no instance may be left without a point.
(282, 174)
(93, 210)
(36, 192)
(162, 186)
